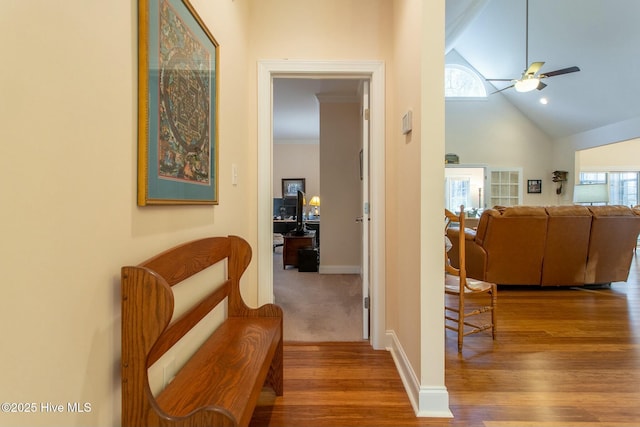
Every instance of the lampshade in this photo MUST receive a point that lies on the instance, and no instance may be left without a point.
(591, 193)
(527, 84)
(315, 202)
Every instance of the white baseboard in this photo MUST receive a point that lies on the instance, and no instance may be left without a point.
(428, 402)
(339, 269)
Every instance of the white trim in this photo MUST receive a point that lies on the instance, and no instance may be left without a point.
(426, 401)
(407, 374)
(339, 269)
(373, 70)
(434, 403)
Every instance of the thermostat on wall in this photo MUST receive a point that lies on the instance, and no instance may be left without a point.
(407, 123)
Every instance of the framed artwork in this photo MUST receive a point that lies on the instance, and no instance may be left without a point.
(177, 105)
(534, 186)
(290, 187)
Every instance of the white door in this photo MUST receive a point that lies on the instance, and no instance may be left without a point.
(364, 217)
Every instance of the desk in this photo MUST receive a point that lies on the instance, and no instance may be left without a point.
(283, 226)
(291, 245)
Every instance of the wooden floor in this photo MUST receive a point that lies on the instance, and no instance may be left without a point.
(563, 357)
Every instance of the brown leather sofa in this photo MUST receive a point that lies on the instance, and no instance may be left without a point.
(551, 246)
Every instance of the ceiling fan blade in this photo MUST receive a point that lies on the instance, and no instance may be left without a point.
(508, 87)
(541, 86)
(499, 80)
(533, 68)
(560, 72)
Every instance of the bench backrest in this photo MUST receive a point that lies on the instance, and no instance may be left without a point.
(148, 303)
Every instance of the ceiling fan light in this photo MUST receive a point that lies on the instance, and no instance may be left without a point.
(527, 84)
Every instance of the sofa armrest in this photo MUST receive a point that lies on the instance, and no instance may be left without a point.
(476, 258)
(475, 255)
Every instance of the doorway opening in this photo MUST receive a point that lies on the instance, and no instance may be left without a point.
(268, 71)
(316, 144)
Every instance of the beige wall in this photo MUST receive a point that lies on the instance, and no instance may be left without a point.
(69, 176)
(340, 144)
(297, 161)
(330, 29)
(474, 133)
(415, 197)
(68, 185)
(403, 183)
(622, 156)
(565, 149)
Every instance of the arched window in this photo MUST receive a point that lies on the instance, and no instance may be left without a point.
(462, 82)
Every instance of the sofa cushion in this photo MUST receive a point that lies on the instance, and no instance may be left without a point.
(614, 233)
(524, 211)
(514, 242)
(565, 255)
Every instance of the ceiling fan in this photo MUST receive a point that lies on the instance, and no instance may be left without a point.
(532, 78)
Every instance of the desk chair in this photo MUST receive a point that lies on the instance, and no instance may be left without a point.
(278, 240)
(459, 286)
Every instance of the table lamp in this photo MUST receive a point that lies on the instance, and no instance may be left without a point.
(315, 202)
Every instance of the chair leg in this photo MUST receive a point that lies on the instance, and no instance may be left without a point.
(494, 308)
(460, 322)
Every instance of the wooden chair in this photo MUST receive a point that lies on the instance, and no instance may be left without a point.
(458, 285)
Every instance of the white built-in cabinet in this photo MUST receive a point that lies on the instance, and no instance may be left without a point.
(505, 186)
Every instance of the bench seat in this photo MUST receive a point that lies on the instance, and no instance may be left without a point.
(220, 374)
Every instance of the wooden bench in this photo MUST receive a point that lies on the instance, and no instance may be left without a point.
(220, 384)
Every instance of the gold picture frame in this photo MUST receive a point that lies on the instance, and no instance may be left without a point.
(177, 105)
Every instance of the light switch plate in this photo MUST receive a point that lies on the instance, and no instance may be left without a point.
(234, 174)
(407, 122)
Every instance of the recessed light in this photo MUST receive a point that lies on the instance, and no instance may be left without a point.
(544, 101)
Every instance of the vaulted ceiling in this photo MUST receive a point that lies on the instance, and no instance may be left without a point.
(601, 37)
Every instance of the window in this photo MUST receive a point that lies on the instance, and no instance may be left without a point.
(593, 177)
(623, 186)
(462, 82)
(464, 185)
(458, 193)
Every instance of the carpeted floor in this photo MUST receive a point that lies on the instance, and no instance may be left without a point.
(318, 307)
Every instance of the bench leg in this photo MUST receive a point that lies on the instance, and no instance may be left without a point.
(276, 371)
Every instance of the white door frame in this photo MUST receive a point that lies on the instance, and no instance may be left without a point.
(374, 71)
(364, 208)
